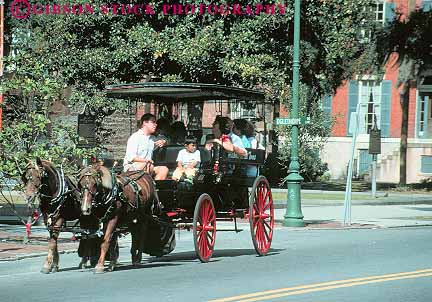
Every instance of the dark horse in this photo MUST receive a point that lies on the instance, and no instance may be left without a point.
(58, 203)
(117, 200)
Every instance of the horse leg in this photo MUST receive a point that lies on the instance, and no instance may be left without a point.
(114, 252)
(136, 256)
(52, 259)
(141, 233)
(105, 244)
(83, 262)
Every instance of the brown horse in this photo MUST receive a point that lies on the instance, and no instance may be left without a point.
(117, 200)
(58, 203)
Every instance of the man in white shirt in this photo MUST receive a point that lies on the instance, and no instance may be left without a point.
(140, 146)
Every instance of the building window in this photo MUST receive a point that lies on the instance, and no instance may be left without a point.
(377, 13)
(426, 164)
(422, 115)
(370, 105)
(244, 110)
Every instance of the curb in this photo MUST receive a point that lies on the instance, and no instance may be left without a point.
(279, 204)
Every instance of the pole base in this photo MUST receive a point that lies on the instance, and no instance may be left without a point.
(293, 222)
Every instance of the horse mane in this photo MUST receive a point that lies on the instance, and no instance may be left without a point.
(104, 173)
(106, 177)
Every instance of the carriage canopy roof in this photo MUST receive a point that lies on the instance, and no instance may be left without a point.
(175, 92)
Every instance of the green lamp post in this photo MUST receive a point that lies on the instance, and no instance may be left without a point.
(293, 216)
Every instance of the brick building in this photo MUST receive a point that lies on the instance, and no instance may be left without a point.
(380, 97)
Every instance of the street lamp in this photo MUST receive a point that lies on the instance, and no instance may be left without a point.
(293, 216)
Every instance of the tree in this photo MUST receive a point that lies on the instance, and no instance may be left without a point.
(408, 43)
(88, 51)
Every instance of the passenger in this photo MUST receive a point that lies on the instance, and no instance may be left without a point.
(188, 160)
(208, 145)
(178, 133)
(140, 146)
(163, 128)
(239, 129)
(249, 132)
(222, 130)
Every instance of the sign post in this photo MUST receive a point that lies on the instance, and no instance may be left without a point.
(87, 128)
(374, 149)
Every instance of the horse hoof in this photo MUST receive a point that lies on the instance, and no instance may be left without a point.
(45, 270)
(99, 270)
(54, 269)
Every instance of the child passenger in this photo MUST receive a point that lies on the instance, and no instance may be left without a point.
(188, 160)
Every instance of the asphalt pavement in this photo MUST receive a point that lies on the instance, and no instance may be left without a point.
(389, 210)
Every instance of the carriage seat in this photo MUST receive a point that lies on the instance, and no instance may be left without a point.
(167, 156)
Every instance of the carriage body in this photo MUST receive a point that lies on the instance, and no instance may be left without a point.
(224, 187)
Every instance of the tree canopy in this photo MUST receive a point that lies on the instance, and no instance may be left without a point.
(88, 51)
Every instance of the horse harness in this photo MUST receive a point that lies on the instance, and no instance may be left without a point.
(108, 199)
(59, 199)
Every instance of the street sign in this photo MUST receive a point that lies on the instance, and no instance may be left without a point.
(375, 141)
(87, 128)
(292, 121)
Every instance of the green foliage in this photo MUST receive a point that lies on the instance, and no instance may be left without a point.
(312, 137)
(86, 52)
(23, 140)
(411, 39)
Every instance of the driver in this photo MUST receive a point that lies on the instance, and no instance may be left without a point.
(140, 146)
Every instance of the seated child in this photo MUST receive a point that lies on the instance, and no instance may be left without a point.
(187, 160)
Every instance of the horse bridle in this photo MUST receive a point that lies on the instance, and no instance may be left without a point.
(86, 187)
(108, 198)
(27, 180)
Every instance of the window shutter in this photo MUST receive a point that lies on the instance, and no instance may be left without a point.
(426, 6)
(327, 104)
(390, 8)
(426, 164)
(386, 87)
(353, 91)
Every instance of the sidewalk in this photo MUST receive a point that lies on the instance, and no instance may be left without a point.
(395, 210)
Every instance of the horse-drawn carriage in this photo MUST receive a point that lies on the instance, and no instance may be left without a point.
(222, 189)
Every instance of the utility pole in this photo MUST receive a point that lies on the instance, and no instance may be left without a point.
(293, 216)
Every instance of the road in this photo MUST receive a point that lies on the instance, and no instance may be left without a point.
(392, 264)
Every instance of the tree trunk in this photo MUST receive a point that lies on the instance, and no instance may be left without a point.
(404, 97)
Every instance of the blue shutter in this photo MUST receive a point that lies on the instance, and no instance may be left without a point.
(386, 88)
(389, 8)
(353, 91)
(365, 161)
(426, 5)
(426, 164)
(327, 104)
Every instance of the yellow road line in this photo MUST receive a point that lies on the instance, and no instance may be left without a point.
(296, 290)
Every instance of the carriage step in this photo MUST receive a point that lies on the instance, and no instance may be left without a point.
(230, 230)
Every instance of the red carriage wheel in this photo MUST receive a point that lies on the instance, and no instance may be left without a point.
(261, 215)
(204, 227)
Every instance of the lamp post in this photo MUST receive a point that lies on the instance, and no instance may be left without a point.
(293, 216)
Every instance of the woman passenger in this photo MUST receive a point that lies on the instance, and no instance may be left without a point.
(222, 130)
